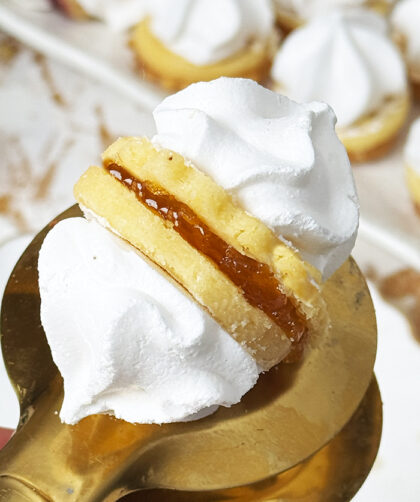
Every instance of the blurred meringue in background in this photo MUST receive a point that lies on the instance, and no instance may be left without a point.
(346, 58)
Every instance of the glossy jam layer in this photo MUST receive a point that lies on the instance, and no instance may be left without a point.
(258, 284)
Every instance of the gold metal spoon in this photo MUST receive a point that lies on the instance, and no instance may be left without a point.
(263, 442)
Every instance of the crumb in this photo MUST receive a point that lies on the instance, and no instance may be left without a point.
(371, 273)
(9, 48)
(402, 289)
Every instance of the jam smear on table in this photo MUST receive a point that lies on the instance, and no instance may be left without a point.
(258, 284)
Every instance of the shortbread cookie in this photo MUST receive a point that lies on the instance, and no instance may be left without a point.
(255, 286)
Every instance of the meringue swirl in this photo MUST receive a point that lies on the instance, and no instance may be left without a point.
(126, 339)
(345, 59)
(207, 31)
(280, 160)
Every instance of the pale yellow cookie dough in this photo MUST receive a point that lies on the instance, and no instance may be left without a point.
(413, 184)
(372, 136)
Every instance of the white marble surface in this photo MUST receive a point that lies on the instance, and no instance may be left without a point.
(394, 476)
(54, 122)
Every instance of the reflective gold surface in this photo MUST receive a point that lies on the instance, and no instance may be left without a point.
(292, 412)
(334, 474)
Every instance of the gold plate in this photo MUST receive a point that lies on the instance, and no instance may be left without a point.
(292, 412)
(334, 474)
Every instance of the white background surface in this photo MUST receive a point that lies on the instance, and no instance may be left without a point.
(31, 118)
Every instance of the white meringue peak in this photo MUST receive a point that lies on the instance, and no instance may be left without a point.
(126, 340)
(207, 31)
(282, 161)
(344, 58)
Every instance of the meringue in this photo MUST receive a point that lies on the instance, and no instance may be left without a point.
(405, 20)
(281, 161)
(344, 58)
(207, 31)
(128, 341)
(117, 14)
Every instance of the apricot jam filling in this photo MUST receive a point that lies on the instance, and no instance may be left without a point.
(256, 281)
